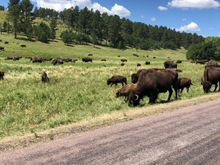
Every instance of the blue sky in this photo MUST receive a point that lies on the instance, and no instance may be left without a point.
(199, 16)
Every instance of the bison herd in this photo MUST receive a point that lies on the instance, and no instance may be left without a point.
(151, 82)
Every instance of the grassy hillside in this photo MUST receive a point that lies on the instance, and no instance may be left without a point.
(77, 90)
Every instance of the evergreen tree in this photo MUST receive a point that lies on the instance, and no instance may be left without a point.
(14, 13)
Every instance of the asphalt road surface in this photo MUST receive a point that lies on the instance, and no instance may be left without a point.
(187, 136)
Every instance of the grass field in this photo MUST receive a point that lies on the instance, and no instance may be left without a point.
(76, 91)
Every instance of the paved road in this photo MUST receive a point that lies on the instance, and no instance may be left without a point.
(187, 136)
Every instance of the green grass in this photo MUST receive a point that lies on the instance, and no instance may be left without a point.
(76, 91)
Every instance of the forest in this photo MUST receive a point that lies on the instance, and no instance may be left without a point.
(83, 26)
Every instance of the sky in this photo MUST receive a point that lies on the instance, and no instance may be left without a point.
(194, 16)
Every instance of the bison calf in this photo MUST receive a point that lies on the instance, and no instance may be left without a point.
(124, 91)
(117, 79)
(184, 83)
(44, 77)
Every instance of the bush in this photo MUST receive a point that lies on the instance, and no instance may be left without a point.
(203, 51)
(67, 37)
(42, 32)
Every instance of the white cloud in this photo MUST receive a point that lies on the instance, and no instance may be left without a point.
(153, 19)
(191, 27)
(59, 5)
(162, 8)
(120, 10)
(198, 4)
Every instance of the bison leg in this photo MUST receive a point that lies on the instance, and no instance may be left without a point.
(170, 94)
(182, 90)
(216, 86)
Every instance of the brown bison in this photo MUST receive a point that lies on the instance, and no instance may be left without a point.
(136, 55)
(44, 77)
(57, 61)
(151, 82)
(86, 59)
(170, 64)
(138, 64)
(211, 76)
(115, 79)
(122, 64)
(184, 83)
(124, 60)
(124, 91)
(2, 48)
(147, 63)
(36, 59)
(2, 74)
(23, 46)
(179, 61)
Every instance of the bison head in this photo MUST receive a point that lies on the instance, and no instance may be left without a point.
(108, 82)
(206, 86)
(134, 78)
(134, 98)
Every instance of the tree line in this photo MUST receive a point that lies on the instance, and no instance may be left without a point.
(88, 26)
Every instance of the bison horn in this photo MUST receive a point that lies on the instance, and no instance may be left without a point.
(136, 97)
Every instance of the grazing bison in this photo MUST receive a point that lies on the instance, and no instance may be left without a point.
(124, 91)
(122, 64)
(151, 82)
(184, 83)
(115, 79)
(147, 63)
(86, 59)
(57, 61)
(2, 48)
(103, 59)
(179, 61)
(37, 59)
(211, 76)
(2, 74)
(138, 64)
(170, 64)
(23, 46)
(6, 42)
(154, 57)
(136, 55)
(124, 60)
(90, 54)
(44, 77)
(212, 63)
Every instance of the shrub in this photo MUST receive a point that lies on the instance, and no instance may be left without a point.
(67, 37)
(42, 32)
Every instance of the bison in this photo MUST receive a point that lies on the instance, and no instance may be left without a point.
(136, 55)
(138, 64)
(147, 63)
(37, 59)
(86, 59)
(122, 64)
(124, 60)
(184, 83)
(115, 79)
(2, 74)
(179, 61)
(57, 61)
(170, 64)
(124, 91)
(44, 77)
(151, 82)
(2, 48)
(23, 46)
(211, 76)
